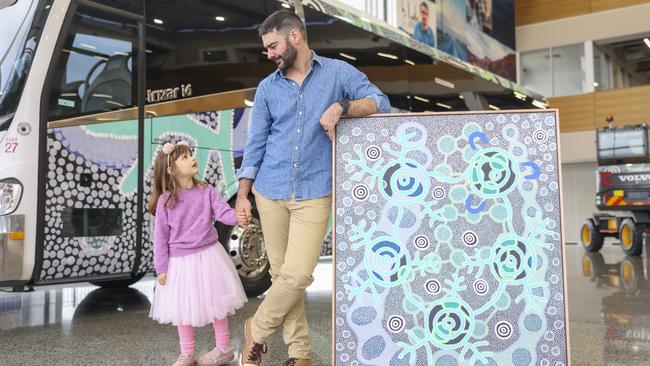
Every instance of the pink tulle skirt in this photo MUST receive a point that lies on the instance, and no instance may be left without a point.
(201, 287)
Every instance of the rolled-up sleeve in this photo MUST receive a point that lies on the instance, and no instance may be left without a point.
(357, 86)
(257, 136)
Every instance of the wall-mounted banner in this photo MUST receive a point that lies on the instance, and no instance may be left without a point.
(419, 19)
(481, 32)
(448, 240)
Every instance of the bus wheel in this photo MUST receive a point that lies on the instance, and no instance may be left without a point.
(590, 238)
(118, 283)
(631, 236)
(246, 249)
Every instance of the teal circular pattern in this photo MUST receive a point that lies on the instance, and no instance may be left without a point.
(387, 262)
(492, 173)
(404, 182)
(512, 260)
(450, 323)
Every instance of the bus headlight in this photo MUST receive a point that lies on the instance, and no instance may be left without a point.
(10, 194)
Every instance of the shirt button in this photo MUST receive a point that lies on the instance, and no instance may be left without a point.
(296, 165)
(296, 147)
(298, 130)
(300, 112)
(300, 95)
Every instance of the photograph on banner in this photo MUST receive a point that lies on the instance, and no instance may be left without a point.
(481, 32)
(419, 19)
(479, 14)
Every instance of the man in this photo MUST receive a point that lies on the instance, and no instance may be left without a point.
(289, 157)
(422, 31)
(475, 13)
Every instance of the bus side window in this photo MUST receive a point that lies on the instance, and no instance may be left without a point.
(95, 70)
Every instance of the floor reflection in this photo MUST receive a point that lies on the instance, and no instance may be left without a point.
(62, 304)
(626, 312)
(85, 325)
(609, 319)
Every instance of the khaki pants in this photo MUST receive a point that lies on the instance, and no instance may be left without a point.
(293, 235)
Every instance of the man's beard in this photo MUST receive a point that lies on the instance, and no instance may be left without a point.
(289, 57)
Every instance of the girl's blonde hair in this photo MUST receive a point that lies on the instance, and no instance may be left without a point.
(163, 181)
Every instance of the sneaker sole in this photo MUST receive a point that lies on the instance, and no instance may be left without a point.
(220, 363)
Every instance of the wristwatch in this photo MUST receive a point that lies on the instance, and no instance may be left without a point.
(345, 104)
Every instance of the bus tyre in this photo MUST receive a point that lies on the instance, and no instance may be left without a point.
(590, 238)
(118, 283)
(248, 253)
(631, 236)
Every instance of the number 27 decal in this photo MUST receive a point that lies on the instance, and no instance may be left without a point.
(10, 147)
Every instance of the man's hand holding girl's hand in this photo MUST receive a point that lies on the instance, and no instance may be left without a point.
(243, 209)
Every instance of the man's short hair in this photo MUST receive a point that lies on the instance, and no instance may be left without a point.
(282, 21)
(424, 3)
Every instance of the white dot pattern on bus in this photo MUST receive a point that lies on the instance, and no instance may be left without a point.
(65, 257)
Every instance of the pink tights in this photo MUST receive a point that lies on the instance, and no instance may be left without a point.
(221, 335)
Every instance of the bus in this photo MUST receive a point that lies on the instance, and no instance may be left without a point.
(90, 90)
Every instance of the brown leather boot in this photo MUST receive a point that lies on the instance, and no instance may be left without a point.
(251, 354)
(298, 362)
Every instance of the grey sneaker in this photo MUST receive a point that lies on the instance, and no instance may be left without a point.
(216, 357)
(185, 359)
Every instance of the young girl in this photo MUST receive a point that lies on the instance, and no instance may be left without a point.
(197, 281)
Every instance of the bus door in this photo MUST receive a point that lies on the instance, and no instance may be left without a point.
(91, 208)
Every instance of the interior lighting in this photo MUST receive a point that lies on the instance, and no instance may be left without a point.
(387, 55)
(539, 104)
(350, 57)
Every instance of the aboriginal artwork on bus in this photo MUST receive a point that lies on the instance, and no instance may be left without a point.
(95, 167)
(448, 241)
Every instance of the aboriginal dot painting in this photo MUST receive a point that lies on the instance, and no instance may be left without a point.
(448, 248)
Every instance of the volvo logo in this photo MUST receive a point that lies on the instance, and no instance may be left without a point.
(635, 178)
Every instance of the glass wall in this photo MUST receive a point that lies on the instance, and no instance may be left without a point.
(555, 71)
(568, 65)
(535, 71)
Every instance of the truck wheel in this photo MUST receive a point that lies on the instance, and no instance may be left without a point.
(590, 238)
(593, 265)
(631, 273)
(631, 236)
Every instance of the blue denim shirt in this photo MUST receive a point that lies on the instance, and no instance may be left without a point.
(425, 37)
(288, 154)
